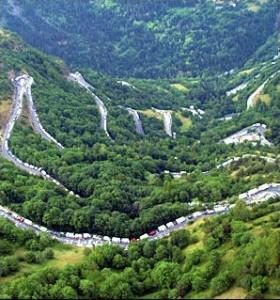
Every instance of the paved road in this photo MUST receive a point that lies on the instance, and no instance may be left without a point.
(34, 116)
(238, 158)
(77, 77)
(195, 112)
(226, 163)
(167, 120)
(241, 87)
(257, 195)
(127, 84)
(22, 86)
(253, 133)
(252, 97)
(137, 120)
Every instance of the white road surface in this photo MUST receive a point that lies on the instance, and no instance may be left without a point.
(137, 120)
(77, 77)
(22, 86)
(254, 133)
(258, 91)
(256, 195)
(167, 120)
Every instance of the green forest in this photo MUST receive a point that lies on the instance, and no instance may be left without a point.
(232, 255)
(146, 39)
(123, 191)
(214, 66)
(122, 188)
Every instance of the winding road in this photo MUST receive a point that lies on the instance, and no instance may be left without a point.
(254, 133)
(27, 83)
(256, 195)
(77, 77)
(226, 164)
(258, 91)
(167, 120)
(241, 87)
(22, 85)
(137, 120)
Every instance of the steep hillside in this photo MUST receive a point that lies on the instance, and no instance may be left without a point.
(122, 188)
(145, 38)
(234, 256)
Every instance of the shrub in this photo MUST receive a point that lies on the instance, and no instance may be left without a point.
(180, 238)
(221, 283)
(259, 284)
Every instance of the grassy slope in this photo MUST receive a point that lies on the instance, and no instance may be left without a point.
(63, 255)
(229, 253)
(56, 28)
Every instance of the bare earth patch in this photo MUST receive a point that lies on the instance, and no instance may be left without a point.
(5, 107)
(233, 293)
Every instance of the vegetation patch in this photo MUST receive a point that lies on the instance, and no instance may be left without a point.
(233, 293)
(151, 114)
(180, 87)
(186, 122)
(5, 107)
(253, 7)
(265, 98)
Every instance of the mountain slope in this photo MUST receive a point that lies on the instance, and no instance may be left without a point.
(230, 256)
(145, 38)
(122, 188)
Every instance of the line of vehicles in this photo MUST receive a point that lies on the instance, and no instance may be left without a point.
(167, 121)
(238, 158)
(22, 86)
(195, 112)
(77, 77)
(87, 239)
(257, 195)
(137, 120)
(36, 122)
(264, 191)
(226, 163)
(254, 133)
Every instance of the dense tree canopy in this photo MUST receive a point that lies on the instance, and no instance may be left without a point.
(150, 38)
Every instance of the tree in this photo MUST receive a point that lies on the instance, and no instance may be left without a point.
(177, 255)
(149, 249)
(241, 211)
(115, 287)
(221, 283)
(259, 284)
(88, 289)
(165, 274)
(211, 243)
(119, 262)
(5, 247)
(48, 253)
(30, 257)
(161, 253)
(69, 293)
(184, 284)
(103, 256)
(199, 281)
(180, 238)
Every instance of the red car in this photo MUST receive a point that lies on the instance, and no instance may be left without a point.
(152, 233)
(20, 219)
